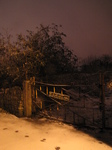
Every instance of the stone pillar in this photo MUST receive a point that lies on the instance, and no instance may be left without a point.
(27, 99)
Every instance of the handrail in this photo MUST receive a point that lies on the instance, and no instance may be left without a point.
(56, 85)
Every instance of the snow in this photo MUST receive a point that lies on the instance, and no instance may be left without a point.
(43, 134)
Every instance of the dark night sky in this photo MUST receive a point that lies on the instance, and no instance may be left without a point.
(87, 23)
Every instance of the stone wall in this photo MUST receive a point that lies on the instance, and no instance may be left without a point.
(10, 99)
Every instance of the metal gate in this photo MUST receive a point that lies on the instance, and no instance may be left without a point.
(86, 101)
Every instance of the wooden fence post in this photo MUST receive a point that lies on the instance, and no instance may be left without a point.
(27, 99)
(61, 91)
(47, 92)
(54, 89)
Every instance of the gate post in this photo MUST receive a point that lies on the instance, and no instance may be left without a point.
(27, 99)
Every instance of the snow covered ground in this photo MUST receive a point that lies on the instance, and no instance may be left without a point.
(43, 134)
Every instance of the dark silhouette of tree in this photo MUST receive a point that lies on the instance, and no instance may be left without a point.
(47, 50)
(39, 53)
(95, 64)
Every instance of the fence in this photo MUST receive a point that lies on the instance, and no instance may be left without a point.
(86, 101)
